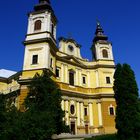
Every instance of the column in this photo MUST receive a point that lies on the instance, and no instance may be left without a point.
(82, 113)
(91, 114)
(99, 113)
(80, 78)
(78, 114)
(62, 72)
(97, 78)
(62, 105)
(67, 112)
(66, 73)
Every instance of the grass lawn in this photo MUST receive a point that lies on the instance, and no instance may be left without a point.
(104, 137)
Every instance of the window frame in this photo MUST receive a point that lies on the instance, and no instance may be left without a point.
(84, 80)
(85, 111)
(71, 78)
(105, 53)
(37, 25)
(109, 111)
(35, 59)
(72, 112)
(108, 80)
(57, 72)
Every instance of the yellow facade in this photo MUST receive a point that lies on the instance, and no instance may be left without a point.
(87, 86)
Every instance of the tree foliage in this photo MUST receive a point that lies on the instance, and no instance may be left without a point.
(44, 107)
(2, 112)
(128, 109)
(43, 115)
(8, 117)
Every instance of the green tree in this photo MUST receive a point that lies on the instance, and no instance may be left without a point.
(44, 115)
(128, 110)
(2, 112)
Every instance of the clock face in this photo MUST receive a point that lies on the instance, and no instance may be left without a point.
(70, 48)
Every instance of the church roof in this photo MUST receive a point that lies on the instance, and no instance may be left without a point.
(99, 34)
(6, 73)
(43, 5)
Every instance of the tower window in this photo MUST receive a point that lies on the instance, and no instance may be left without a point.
(52, 29)
(37, 25)
(108, 80)
(111, 111)
(57, 72)
(35, 59)
(71, 78)
(84, 80)
(105, 53)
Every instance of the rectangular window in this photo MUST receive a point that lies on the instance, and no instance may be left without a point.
(84, 80)
(85, 111)
(71, 78)
(35, 59)
(111, 111)
(108, 80)
(57, 72)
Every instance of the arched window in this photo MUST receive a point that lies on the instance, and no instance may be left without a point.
(72, 109)
(37, 25)
(105, 53)
(111, 111)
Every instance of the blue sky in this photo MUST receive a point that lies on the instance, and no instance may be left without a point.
(120, 20)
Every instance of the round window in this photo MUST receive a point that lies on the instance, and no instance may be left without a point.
(72, 109)
(70, 48)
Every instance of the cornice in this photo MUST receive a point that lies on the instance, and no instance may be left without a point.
(43, 11)
(63, 59)
(86, 96)
(52, 42)
(26, 81)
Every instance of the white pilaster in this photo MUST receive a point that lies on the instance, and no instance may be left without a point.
(78, 114)
(49, 23)
(91, 114)
(62, 72)
(82, 113)
(76, 81)
(100, 114)
(66, 73)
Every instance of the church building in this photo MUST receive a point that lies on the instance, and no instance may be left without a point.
(86, 86)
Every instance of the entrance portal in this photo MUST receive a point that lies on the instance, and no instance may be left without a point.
(73, 128)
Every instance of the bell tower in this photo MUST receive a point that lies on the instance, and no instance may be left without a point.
(101, 47)
(40, 40)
